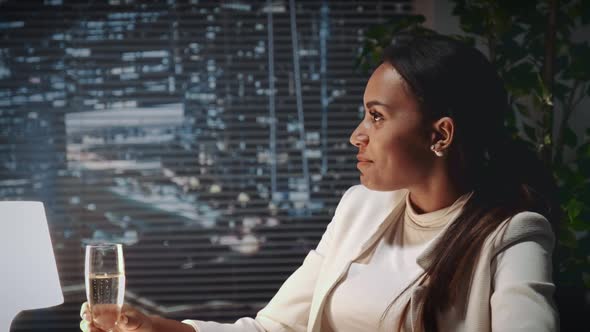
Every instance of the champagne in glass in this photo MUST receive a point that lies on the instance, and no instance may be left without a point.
(105, 283)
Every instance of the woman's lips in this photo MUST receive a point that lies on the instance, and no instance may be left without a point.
(362, 161)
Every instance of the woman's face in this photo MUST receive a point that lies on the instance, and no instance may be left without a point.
(393, 138)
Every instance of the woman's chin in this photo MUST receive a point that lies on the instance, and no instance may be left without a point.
(371, 184)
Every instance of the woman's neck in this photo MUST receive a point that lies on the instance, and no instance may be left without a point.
(436, 194)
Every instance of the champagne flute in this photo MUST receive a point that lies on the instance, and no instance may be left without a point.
(104, 274)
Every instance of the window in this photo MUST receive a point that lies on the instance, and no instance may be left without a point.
(209, 137)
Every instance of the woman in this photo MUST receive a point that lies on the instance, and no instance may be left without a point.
(446, 231)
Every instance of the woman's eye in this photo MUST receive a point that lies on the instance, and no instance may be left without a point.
(376, 117)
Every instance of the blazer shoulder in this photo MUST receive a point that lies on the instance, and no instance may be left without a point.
(523, 226)
(365, 208)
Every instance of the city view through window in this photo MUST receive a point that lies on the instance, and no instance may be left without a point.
(209, 137)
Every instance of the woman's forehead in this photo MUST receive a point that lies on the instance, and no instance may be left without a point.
(387, 86)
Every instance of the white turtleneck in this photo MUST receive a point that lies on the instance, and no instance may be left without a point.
(359, 300)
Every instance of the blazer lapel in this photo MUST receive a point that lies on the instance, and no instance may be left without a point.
(336, 271)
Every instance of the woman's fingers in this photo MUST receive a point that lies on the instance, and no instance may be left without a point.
(85, 312)
(95, 329)
(84, 326)
(131, 319)
(86, 322)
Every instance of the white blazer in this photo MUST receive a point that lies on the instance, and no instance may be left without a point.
(359, 221)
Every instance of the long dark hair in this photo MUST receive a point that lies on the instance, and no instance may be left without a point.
(450, 78)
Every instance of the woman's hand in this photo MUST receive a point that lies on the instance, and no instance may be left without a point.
(130, 320)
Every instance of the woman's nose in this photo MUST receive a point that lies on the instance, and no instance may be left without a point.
(358, 138)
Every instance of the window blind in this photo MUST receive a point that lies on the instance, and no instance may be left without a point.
(209, 137)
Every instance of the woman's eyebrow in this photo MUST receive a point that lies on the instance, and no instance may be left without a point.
(376, 103)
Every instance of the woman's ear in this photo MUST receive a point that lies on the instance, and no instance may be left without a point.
(442, 133)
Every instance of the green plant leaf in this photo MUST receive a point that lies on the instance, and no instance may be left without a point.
(519, 8)
(584, 243)
(476, 21)
(376, 32)
(560, 90)
(530, 132)
(543, 94)
(522, 109)
(579, 67)
(510, 50)
(578, 225)
(376, 54)
(573, 208)
(567, 237)
(547, 139)
(520, 79)
(583, 151)
(459, 9)
(584, 12)
(569, 137)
